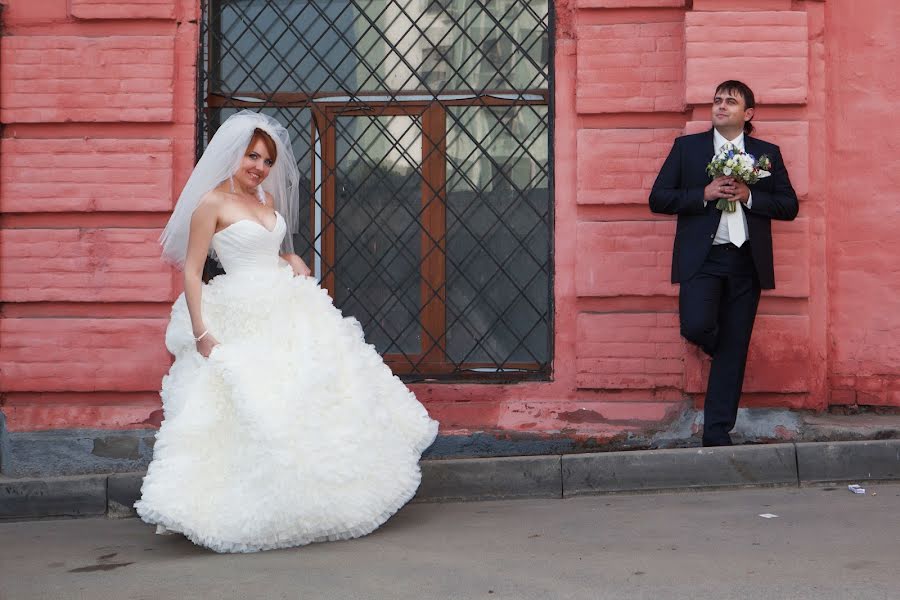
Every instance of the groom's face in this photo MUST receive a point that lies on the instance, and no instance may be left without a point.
(729, 111)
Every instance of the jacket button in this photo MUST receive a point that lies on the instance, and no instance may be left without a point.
(712, 236)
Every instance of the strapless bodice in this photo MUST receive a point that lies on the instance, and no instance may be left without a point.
(248, 245)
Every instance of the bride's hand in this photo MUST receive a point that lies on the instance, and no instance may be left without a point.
(297, 264)
(206, 345)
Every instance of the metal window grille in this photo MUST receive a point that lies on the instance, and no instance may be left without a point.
(422, 130)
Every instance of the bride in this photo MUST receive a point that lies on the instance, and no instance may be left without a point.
(281, 425)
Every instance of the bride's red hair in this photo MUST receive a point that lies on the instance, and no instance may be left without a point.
(259, 134)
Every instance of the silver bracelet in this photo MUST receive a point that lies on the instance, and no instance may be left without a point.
(202, 335)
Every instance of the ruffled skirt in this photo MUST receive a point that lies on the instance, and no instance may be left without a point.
(292, 431)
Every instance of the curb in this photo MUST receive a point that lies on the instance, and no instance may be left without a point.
(842, 461)
(688, 468)
(549, 476)
(490, 478)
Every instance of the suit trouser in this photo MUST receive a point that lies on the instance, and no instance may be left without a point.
(717, 309)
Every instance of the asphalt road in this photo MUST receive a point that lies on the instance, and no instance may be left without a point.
(824, 543)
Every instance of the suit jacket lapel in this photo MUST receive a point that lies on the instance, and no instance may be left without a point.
(703, 152)
(750, 146)
(709, 145)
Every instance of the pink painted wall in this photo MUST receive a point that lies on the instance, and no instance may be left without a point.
(97, 106)
(862, 242)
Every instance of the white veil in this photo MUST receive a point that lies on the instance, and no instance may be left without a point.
(219, 162)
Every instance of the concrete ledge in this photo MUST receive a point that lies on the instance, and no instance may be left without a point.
(56, 497)
(773, 464)
(849, 461)
(490, 478)
(64, 452)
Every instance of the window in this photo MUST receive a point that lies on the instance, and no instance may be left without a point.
(422, 131)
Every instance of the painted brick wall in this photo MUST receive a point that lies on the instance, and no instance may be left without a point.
(87, 79)
(624, 258)
(83, 265)
(630, 67)
(771, 48)
(618, 166)
(863, 245)
(640, 351)
(82, 355)
(85, 175)
(104, 9)
(97, 103)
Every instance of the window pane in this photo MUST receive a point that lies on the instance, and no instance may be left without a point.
(498, 234)
(379, 46)
(377, 241)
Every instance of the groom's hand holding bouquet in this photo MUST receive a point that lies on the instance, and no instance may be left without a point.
(736, 164)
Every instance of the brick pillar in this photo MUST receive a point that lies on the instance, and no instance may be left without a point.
(97, 107)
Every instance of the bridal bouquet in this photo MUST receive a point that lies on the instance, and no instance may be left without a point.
(733, 162)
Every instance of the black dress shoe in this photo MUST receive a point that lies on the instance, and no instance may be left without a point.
(708, 443)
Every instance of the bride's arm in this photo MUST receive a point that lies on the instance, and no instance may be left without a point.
(203, 226)
(297, 264)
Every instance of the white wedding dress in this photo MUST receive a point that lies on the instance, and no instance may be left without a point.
(293, 430)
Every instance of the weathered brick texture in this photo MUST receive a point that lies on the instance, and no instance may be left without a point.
(865, 334)
(791, 254)
(619, 166)
(629, 3)
(862, 179)
(47, 79)
(46, 175)
(629, 351)
(779, 359)
(624, 258)
(599, 419)
(630, 68)
(106, 9)
(605, 418)
(83, 265)
(871, 390)
(768, 49)
(84, 355)
(742, 5)
(126, 414)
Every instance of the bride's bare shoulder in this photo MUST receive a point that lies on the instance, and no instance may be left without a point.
(216, 197)
(211, 205)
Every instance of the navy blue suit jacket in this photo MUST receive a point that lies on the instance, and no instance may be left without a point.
(678, 190)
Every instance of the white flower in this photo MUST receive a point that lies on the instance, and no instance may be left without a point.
(727, 171)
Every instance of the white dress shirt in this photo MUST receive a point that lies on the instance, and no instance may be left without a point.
(722, 235)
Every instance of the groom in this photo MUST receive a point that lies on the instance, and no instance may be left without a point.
(722, 259)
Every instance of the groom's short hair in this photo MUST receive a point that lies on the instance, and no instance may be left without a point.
(739, 88)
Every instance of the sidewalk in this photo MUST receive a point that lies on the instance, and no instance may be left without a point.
(547, 476)
(825, 543)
